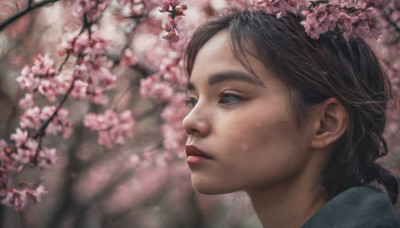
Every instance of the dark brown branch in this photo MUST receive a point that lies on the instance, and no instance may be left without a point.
(31, 6)
(42, 129)
(63, 62)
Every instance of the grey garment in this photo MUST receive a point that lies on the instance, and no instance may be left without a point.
(357, 207)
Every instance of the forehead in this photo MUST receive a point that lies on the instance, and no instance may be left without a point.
(215, 51)
(217, 55)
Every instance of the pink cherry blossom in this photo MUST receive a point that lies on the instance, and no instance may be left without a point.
(59, 124)
(27, 80)
(97, 96)
(280, 7)
(153, 87)
(357, 4)
(27, 101)
(46, 158)
(79, 90)
(14, 198)
(105, 139)
(91, 8)
(49, 90)
(174, 10)
(19, 137)
(354, 19)
(47, 111)
(43, 66)
(18, 199)
(112, 128)
(30, 118)
(26, 153)
(129, 58)
(36, 195)
(3, 143)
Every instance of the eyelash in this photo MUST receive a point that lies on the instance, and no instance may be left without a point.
(224, 94)
(191, 102)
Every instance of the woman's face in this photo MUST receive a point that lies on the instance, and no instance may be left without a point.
(242, 123)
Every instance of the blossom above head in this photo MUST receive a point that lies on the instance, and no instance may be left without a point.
(174, 9)
(350, 17)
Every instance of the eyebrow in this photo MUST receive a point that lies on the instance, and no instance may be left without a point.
(228, 76)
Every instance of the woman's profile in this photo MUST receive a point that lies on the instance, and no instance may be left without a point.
(294, 122)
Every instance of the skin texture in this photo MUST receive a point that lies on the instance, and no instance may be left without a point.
(245, 124)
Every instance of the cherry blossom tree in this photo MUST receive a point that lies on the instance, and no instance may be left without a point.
(92, 92)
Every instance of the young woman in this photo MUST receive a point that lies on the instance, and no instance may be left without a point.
(294, 122)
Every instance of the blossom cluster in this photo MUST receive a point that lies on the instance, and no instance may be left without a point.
(129, 59)
(12, 163)
(93, 72)
(19, 198)
(90, 78)
(112, 128)
(174, 9)
(165, 86)
(25, 145)
(91, 8)
(42, 78)
(351, 17)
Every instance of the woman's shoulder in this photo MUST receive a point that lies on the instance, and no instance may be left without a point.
(361, 206)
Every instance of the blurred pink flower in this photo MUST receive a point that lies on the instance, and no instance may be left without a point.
(43, 66)
(153, 87)
(79, 90)
(129, 59)
(19, 137)
(97, 96)
(91, 8)
(3, 144)
(26, 153)
(47, 158)
(112, 128)
(30, 118)
(280, 7)
(36, 195)
(27, 101)
(27, 80)
(14, 198)
(49, 90)
(105, 139)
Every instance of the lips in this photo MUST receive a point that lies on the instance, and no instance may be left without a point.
(194, 151)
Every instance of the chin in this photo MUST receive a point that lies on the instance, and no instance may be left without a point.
(210, 189)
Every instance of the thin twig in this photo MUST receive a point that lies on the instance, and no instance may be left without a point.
(68, 54)
(42, 129)
(31, 6)
(64, 61)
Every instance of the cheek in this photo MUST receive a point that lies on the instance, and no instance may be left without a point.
(255, 131)
(271, 138)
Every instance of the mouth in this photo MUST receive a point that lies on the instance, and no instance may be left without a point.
(195, 155)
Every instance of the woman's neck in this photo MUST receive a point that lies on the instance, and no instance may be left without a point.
(288, 206)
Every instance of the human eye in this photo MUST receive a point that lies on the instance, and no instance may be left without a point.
(227, 98)
(190, 102)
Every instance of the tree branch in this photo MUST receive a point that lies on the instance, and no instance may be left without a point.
(31, 6)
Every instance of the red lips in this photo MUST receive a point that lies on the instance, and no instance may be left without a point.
(194, 151)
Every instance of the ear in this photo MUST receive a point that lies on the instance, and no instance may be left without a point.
(331, 122)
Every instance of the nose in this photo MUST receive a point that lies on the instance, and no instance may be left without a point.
(196, 123)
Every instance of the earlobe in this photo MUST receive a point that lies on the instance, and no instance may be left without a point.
(331, 123)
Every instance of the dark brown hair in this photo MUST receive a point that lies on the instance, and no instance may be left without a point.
(315, 70)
